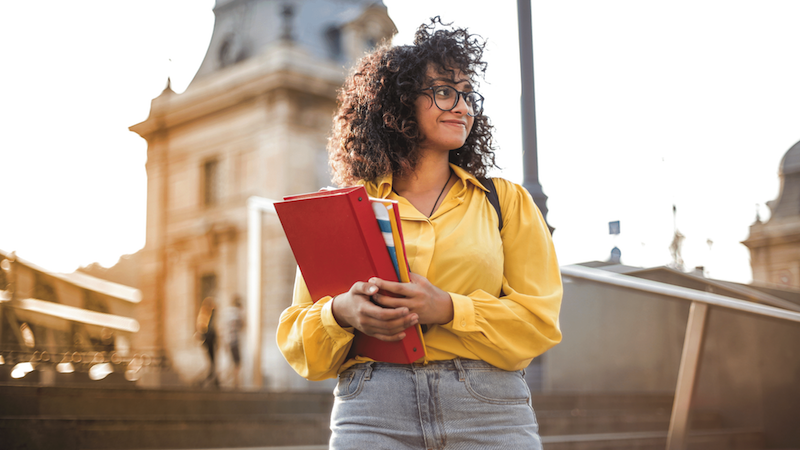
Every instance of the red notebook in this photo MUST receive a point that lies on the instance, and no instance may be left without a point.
(336, 241)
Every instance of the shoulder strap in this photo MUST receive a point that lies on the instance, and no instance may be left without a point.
(493, 199)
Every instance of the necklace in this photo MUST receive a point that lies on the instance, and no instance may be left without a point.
(450, 175)
(440, 193)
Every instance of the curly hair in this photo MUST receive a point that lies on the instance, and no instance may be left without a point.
(375, 130)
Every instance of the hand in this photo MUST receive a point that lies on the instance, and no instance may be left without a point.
(354, 308)
(420, 296)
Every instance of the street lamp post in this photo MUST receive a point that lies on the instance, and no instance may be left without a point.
(529, 150)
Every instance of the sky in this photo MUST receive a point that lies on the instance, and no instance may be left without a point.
(640, 106)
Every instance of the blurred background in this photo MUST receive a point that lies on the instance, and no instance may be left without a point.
(142, 143)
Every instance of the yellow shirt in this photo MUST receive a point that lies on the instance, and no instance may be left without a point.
(506, 292)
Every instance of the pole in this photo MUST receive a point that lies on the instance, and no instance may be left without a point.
(528, 106)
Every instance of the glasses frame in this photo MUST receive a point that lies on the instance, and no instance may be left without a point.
(459, 94)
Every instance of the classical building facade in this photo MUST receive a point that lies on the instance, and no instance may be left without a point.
(775, 244)
(253, 123)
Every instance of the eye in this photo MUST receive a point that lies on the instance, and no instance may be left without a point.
(443, 91)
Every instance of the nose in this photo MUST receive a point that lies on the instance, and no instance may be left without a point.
(461, 103)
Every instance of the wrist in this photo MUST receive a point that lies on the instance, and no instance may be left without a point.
(447, 309)
(340, 319)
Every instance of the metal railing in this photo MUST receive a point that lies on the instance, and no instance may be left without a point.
(693, 340)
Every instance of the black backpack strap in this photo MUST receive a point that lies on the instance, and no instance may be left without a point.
(493, 199)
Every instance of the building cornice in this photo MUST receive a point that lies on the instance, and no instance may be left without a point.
(776, 231)
(283, 66)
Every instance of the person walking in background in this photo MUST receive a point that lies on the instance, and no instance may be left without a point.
(234, 323)
(485, 287)
(207, 333)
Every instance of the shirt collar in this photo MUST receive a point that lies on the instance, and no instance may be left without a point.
(381, 187)
(466, 177)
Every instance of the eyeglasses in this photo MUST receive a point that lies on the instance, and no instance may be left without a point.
(446, 98)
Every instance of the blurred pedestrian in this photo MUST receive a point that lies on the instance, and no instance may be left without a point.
(207, 333)
(234, 323)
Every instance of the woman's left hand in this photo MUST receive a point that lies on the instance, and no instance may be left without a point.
(420, 296)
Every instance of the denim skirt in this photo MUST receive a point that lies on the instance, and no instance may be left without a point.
(453, 405)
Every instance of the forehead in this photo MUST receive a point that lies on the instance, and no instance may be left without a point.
(435, 75)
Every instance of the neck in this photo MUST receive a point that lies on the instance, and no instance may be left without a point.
(431, 172)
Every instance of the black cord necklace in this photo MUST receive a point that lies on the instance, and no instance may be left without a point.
(440, 193)
(449, 175)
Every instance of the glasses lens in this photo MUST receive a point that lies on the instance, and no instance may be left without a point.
(474, 102)
(445, 97)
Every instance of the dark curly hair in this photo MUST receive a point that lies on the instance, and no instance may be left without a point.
(375, 130)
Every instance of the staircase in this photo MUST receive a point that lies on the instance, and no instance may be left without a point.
(72, 418)
(37, 417)
(629, 421)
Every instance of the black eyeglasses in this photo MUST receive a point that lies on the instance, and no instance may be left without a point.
(446, 98)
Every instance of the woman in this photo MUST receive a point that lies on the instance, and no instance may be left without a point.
(410, 128)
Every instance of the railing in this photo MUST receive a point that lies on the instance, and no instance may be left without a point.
(695, 330)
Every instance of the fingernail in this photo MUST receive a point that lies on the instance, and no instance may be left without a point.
(372, 289)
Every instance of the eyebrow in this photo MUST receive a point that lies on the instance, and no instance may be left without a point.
(452, 81)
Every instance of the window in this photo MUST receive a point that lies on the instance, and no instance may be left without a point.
(207, 288)
(211, 183)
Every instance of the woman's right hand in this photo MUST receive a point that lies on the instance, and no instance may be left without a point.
(354, 308)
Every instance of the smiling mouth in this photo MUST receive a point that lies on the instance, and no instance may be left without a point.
(454, 122)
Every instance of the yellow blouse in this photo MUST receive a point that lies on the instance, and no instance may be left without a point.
(506, 292)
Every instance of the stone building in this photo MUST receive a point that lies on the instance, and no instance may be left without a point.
(774, 244)
(67, 328)
(253, 123)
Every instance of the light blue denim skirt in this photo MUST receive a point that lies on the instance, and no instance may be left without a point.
(452, 405)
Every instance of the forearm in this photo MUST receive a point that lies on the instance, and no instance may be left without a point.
(311, 340)
(507, 331)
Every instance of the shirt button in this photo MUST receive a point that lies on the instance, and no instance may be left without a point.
(463, 323)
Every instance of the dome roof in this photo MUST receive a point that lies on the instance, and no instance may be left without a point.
(791, 161)
(788, 202)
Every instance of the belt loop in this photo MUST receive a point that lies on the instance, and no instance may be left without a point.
(368, 375)
(462, 375)
(523, 373)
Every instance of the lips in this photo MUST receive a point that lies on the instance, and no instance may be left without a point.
(455, 122)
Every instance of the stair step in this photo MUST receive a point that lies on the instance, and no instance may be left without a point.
(81, 401)
(615, 421)
(603, 401)
(730, 439)
(64, 433)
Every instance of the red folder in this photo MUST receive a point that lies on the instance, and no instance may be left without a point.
(336, 241)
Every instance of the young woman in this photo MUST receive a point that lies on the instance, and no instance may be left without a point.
(411, 128)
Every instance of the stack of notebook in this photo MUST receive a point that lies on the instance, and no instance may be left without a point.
(342, 236)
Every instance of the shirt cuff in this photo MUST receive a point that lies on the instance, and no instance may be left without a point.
(336, 332)
(463, 314)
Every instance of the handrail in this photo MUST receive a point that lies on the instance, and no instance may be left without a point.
(669, 290)
(693, 340)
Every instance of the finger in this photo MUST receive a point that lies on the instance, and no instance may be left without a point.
(380, 313)
(391, 286)
(390, 337)
(391, 326)
(363, 288)
(387, 301)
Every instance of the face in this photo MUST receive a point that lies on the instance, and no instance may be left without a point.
(443, 130)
